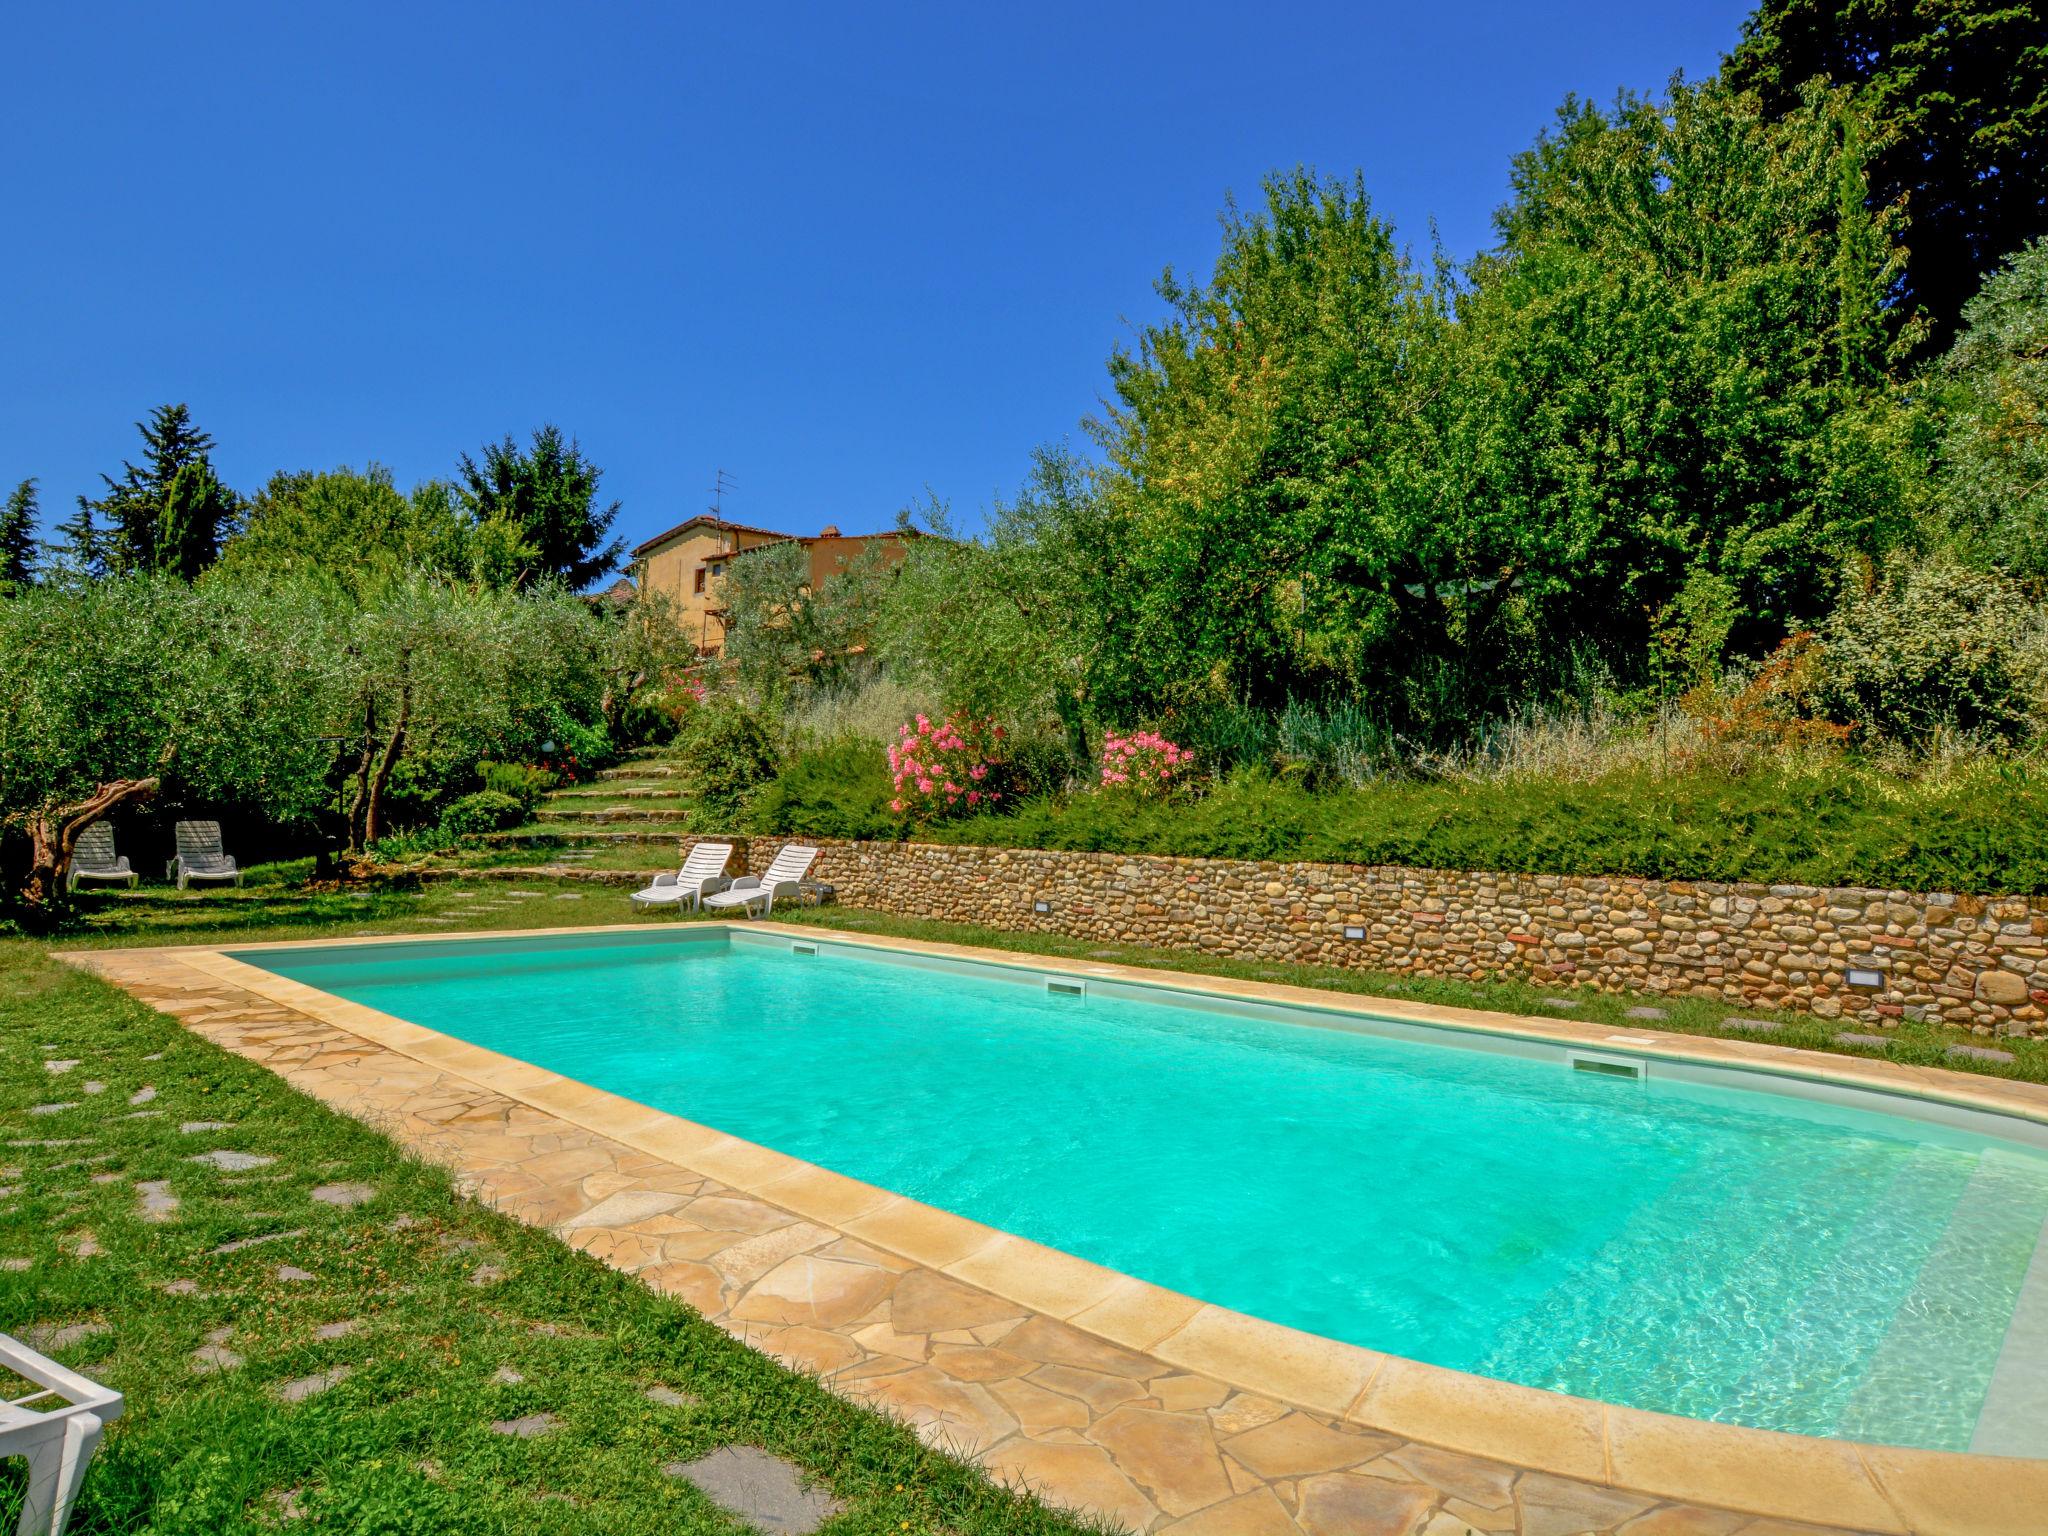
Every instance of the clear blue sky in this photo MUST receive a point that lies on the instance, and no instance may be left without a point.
(846, 253)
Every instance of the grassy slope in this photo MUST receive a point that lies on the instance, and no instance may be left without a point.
(404, 1443)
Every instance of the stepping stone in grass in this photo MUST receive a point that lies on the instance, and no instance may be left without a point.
(158, 1203)
(194, 1127)
(58, 1068)
(1753, 1026)
(1850, 1037)
(669, 1397)
(505, 1376)
(303, 1387)
(232, 1162)
(1977, 1053)
(486, 1274)
(253, 1242)
(568, 895)
(86, 1246)
(292, 1272)
(91, 1087)
(1646, 1012)
(1560, 1002)
(141, 1096)
(51, 1109)
(154, 1056)
(143, 1114)
(340, 1330)
(181, 1287)
(15, 1266)
(528, 1428)
(214, 1355)
(763, 1490)
(344, 1195)
(48, 1337)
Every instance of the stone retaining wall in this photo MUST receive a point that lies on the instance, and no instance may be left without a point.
(1979, 962)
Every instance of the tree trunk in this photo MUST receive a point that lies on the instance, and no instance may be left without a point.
(373, 813)
(53, 836)
(360, 808)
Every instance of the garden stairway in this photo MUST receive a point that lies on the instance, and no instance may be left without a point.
(628, 818)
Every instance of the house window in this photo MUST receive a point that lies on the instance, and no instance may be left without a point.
(698, 584)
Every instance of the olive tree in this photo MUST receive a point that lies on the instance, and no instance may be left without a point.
(117, 691)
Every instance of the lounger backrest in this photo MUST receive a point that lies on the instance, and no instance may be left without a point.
(199, 844)
(95, 847)
(706, 860)
(791, 863)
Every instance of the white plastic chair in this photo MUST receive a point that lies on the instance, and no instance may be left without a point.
(788, 867)
(58, 1440)
(702, 874)
(200, 856)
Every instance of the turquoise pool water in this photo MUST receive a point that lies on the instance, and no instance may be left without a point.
(1696, 1249)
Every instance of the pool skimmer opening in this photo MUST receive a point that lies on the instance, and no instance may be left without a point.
(1065, 986)
(1607, 1066)
(803, 949)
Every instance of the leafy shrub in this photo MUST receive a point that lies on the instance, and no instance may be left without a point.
(838, 789)
(1826, 823)
(1938, 648)
(727, 751)
(944, 767)
(1144, 764)
(1343, 745)
(485, 811)
(524, 782)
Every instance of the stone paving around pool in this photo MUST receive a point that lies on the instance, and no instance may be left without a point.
(1083, 1422)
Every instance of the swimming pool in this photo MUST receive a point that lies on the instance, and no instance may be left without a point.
(1670, 1242)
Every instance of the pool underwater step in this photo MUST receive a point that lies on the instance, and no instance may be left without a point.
(1986, 1239)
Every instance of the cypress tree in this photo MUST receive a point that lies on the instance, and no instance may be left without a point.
(137, 510)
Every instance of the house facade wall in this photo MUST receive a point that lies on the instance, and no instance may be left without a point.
(1973, 961)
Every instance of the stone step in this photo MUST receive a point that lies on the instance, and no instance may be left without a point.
(666, 814)
(626, 878)
(571, 836)
(644, 770)
(620, 790)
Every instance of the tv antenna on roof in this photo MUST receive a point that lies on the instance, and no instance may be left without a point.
(720, 486)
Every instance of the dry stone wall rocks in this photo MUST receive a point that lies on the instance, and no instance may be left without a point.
(1842, 953)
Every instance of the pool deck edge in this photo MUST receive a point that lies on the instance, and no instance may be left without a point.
(1781, 1476)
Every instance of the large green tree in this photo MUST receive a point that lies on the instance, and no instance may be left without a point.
(1994, 450)
(1276, 508)
(170, 512)
(116, 691)
(355, 531)
(1671, 370)
(1957, 93)
(18, 539)
(548, 493)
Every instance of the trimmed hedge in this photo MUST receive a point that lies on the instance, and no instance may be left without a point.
(1983, 832)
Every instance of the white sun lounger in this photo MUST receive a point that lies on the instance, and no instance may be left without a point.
(94, 862)
(200, 856)
(702, 874)
(784, 871)
(57, 1428)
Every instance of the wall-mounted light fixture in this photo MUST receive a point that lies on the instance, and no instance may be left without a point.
(1353, 931)
(1041, 906)
(1866, 980)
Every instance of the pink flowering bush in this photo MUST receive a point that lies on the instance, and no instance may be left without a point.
(1143, 763)
(945, 767)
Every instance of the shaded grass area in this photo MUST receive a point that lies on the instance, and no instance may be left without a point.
(402, 1442)
(1912, 1043)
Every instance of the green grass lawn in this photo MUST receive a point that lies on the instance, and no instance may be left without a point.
(402, 1444)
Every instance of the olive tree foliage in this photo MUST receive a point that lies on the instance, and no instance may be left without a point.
(781, 633)
(1994, 449)
(644, 650)
(117, 691)
(1009, 624)
(455, 669)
